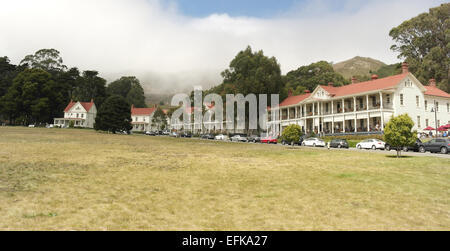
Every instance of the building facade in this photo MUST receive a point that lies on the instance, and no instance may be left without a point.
(82, 114)
(365, 107)
(142, 119)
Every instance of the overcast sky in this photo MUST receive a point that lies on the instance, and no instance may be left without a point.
(168, 44)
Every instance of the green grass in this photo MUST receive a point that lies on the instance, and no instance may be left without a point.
(56, 179)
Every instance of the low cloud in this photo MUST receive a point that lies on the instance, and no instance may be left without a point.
(169, 51)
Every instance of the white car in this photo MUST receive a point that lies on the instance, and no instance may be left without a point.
(239, 138)
(373, 144)
(222, 137)
(314, 142)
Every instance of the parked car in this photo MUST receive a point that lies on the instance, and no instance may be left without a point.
(414, 147)
(254, 138)
(269, 140)
(339, 143)
(186, 135)
(166, 133)
(314, 142)
(373, 144)
(287, 142)
(436, 146)
(222, 137)
(208, 136)
(31, 126)
(150, 133)
(239, 138)
(174, 135)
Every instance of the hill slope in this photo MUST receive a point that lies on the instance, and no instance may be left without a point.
(358, 66)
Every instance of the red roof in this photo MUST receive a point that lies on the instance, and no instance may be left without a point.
(434, 91)
(293, 100)
(372, 85)
(86, 105)
(142, 111)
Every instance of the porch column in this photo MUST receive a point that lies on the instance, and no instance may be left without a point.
(382, 112)
(367, 102)
(368, 122)
(288, 113)
(343, 105)
(356, 121)
(332, 107)
(296, 112)
(313, 109)
(332, 125)
(354, 104)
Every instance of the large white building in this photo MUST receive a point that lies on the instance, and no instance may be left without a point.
(81, 113)
(365, 107)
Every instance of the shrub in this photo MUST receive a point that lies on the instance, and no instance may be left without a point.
(398, 132)
(292, 133)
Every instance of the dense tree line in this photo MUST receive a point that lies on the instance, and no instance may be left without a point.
(40, 87)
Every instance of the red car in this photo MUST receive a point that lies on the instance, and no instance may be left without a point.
(269, 140)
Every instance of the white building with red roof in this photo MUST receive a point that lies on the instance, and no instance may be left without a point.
(142, 119)
(365, 107)
(81, 113)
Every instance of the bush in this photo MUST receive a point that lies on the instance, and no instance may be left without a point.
(398, 132)
(292, 133)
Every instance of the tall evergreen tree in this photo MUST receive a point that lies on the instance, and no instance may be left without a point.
(114, 115)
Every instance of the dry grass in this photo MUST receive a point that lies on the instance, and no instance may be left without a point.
(82, 180)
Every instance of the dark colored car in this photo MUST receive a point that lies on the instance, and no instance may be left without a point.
(415, 147)
(254, 139)
(339, 143)
(436, 146)
(208, 136)
(287, 142)
(186, 135)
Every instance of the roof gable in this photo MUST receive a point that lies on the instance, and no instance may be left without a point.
(86, 105)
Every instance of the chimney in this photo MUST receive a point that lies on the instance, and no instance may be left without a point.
(331, 84)
(374, 77)
(405, 68)
(432, 82)
(354, 80)
(307, 91)
(290, 93)
(132, 106)
(92, 100)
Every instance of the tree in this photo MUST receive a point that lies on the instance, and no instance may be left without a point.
(310, 76)
(252, 72)
(45, 59)
(129, 88)
(91, 86)
(424, 42)
(292, 133)
(34, 97)
(114, 115)
(398, 133)
(159, 119)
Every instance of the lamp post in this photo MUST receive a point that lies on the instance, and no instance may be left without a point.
(434, 109)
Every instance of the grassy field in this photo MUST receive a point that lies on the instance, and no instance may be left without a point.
(54, 179)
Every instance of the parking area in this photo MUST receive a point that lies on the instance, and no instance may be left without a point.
(390, 153)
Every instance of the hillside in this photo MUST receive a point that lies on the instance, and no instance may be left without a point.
(358, 66)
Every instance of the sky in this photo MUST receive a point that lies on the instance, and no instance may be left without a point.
(173, 45)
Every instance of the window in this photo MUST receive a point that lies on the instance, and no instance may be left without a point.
(418, 101)
(374, 101)
(326, 107)
(388, 99)
(448, 107)
(438, 123)
(426, 105)
(408, 83)
(82, 115)
(78, 115)
(401, 99)
(437, 106)
(361, 103)
(418, 121)
(426, 123)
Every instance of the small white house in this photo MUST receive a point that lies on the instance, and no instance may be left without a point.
(142, 119)
(81, 113)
